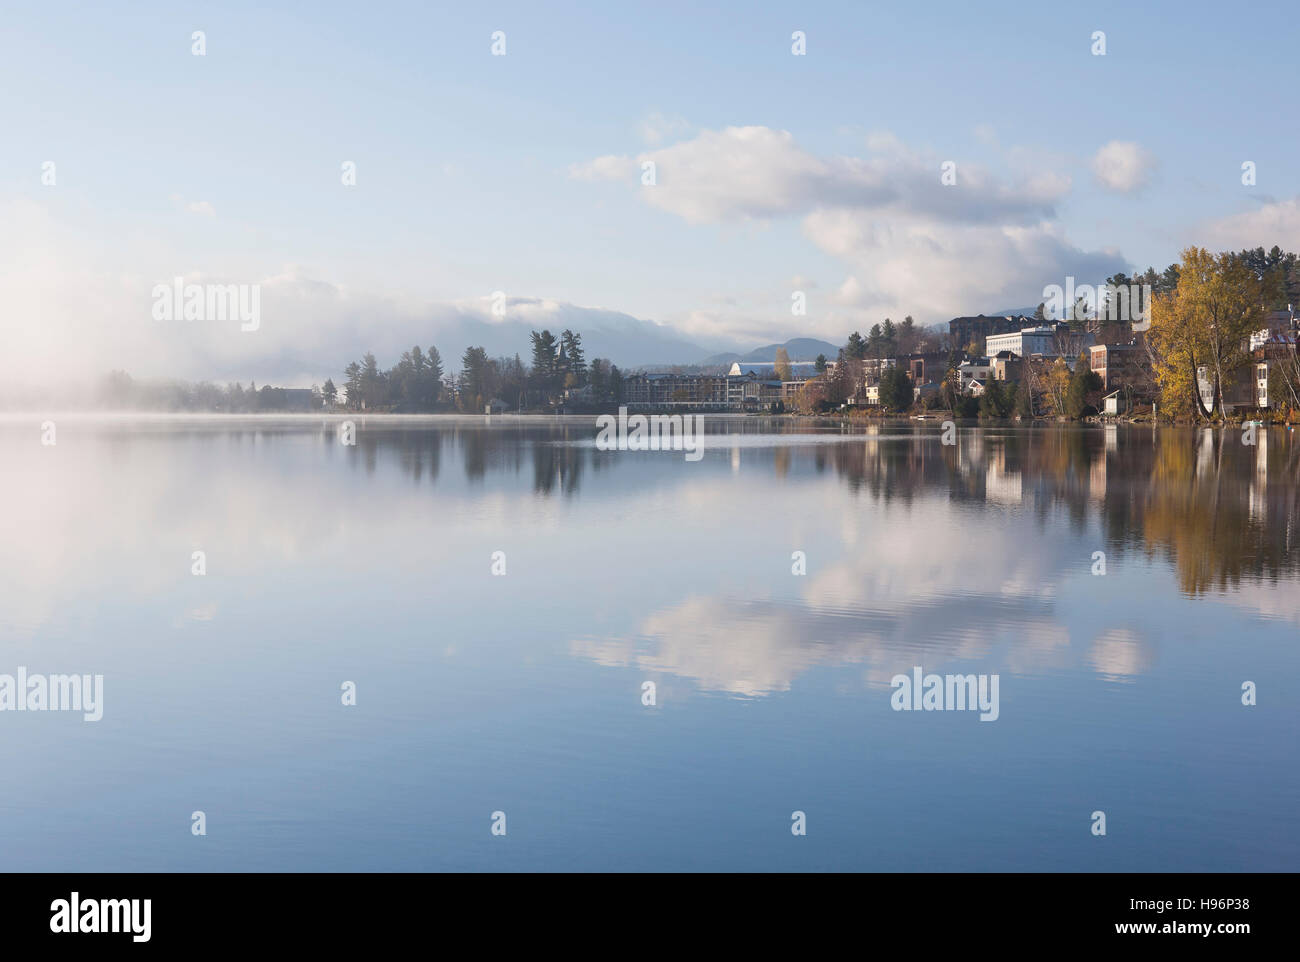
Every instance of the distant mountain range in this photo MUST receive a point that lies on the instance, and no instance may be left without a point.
(799, 349)
(627, 341)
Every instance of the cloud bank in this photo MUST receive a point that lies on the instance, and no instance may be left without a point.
(912, 241)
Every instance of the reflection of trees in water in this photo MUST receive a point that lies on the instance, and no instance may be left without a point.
(557, 463)
(1220, 510)
(416, 452)
(888, 467)
(422, 452)
(557, 467)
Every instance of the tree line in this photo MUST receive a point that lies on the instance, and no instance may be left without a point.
(558, 373)
(118, 390)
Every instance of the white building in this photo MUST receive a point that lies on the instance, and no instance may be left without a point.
(1023, 343)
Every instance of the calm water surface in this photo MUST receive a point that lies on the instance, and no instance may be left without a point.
(522, 693)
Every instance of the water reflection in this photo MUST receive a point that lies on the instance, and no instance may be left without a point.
(373, 562)
(922, 551)
(954, 575)
(1223, 511)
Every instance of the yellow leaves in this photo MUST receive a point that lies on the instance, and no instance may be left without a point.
(1172, 341)
(1206, 321)
(1057, 385)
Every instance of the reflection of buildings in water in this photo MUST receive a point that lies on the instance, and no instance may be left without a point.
(971, 453)
(1000, 484)
(1259, 482)
(1220, 511)
(1205, 452)
(781, 461)
(1097, 477)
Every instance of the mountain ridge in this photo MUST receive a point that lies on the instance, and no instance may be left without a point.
(799, 349)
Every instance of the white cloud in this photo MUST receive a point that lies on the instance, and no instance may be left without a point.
(201, 207)
(741, 173)
(1273, 223)
(931, 270)
(609, 167)
(658, 127)
(1122, 166)
(72, 317)
(914, 245)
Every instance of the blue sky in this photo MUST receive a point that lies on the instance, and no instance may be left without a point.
(478, 173)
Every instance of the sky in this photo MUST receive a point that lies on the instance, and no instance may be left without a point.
(774, 172)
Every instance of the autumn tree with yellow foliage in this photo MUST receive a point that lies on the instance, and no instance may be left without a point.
(783, 369)
(1205, 322)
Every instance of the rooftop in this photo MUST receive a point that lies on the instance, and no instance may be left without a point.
(798, 369)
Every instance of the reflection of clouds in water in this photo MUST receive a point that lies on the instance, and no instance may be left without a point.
(205, 612)
(898, 601)
(754, 648)
(124, 512)
(1267, 601)
(124, 502)
(893, 604)
(1120, 653)
(746, 648)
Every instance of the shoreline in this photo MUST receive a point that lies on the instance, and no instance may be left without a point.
(850, 417)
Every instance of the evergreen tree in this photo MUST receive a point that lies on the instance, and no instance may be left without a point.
(896, 393)
(352, 384)
(475, 379)
(1083, 383)
(995, 402)
(571, 345)
(543, 375)
(599, 378)
(874, 338)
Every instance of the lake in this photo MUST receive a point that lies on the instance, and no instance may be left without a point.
(499, 593)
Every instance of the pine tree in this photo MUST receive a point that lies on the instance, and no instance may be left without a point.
(571, 345)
